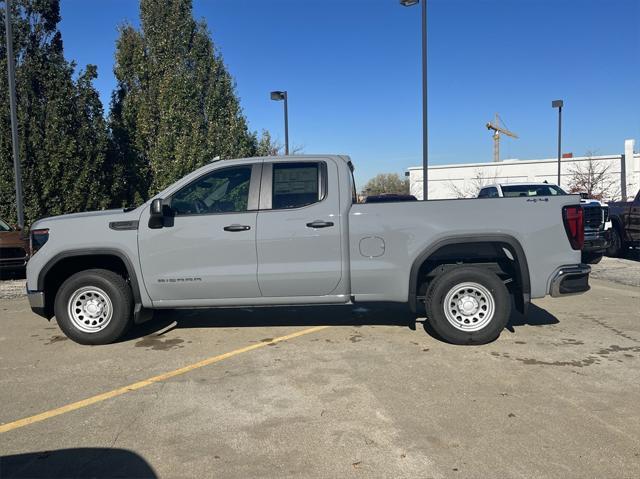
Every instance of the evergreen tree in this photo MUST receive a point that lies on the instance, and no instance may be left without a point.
(63, 141)
(175, 107)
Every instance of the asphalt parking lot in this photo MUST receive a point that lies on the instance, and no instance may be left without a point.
(327, 392)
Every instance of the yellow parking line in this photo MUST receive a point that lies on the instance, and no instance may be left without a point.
(147, 382)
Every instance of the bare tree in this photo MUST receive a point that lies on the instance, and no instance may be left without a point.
(268, 146)
(594, 178)
(472, 187)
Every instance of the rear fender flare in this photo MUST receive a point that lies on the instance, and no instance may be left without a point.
(510, 241)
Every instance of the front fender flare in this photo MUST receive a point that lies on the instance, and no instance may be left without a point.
(133, 277)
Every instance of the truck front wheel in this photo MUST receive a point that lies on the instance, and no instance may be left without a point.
(591, 258)
(468, 305)
(617, 246)
(94, 307)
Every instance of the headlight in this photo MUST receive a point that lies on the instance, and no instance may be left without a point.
(38, 239)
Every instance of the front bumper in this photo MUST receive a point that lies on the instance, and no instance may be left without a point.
(36, 301)
(596, 243)
(10, 264)
(571, 279)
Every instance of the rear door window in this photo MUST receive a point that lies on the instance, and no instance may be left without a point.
(296, 185)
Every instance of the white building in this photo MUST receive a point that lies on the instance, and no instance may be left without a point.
(464, 180)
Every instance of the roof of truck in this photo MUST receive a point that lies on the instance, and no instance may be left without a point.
(523, 183)
(248, 159)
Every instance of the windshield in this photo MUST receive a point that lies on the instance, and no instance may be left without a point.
(531, 190)
(4, 226)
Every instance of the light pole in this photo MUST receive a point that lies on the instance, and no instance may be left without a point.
(14, 120)
(425, 143)
(559, 104)
(280, 96)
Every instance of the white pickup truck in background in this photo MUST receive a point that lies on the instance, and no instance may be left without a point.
(289, 231)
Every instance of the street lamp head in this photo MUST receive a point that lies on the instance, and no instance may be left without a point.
(409, 3)
(557, 104)
(278, 95)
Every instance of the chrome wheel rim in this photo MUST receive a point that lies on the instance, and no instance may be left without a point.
(90, 309)
(469, 306)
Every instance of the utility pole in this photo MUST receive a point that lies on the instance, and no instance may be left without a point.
(425, 131)
(559, 104)
(425, 141)
(286, 123)
(14, 116)
(280, 96)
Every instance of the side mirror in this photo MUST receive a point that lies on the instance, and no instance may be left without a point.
(160, 215)
(156, 207)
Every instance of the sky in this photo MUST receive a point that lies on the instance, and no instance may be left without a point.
(353, 73)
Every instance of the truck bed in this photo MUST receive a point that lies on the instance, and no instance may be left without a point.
(404, 230)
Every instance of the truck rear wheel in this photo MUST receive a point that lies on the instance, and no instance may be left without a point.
(94, 307)
(468, 305)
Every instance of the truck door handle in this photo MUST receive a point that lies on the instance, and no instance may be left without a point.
(320, 224)
(234, 228)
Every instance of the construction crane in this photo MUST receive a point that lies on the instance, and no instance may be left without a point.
(497, 129)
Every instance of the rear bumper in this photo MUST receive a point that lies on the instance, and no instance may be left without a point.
(570, 279)
(36, 301)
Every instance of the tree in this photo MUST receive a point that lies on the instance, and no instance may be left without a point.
(387, 183)
(93, 173)
(62, 133)
(267, 146)
(472, 187)
(594, 178)
(175, 107)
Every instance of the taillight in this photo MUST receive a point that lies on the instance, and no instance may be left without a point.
(574, 225)
(38, 239)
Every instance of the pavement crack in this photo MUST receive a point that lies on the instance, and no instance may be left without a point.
(615, 331)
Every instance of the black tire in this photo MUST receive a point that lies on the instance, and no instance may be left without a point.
(617, 244)
(591, 258)
(118, 292)
(446, 282)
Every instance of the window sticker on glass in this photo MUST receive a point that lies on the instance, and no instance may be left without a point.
(294, 185)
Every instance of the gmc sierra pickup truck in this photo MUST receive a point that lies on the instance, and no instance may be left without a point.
(289, 231)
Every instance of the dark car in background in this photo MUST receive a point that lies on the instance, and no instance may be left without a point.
(625, 216)
(388, 198)
(14, 248)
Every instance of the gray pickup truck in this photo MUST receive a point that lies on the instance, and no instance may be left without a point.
(289, 231)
